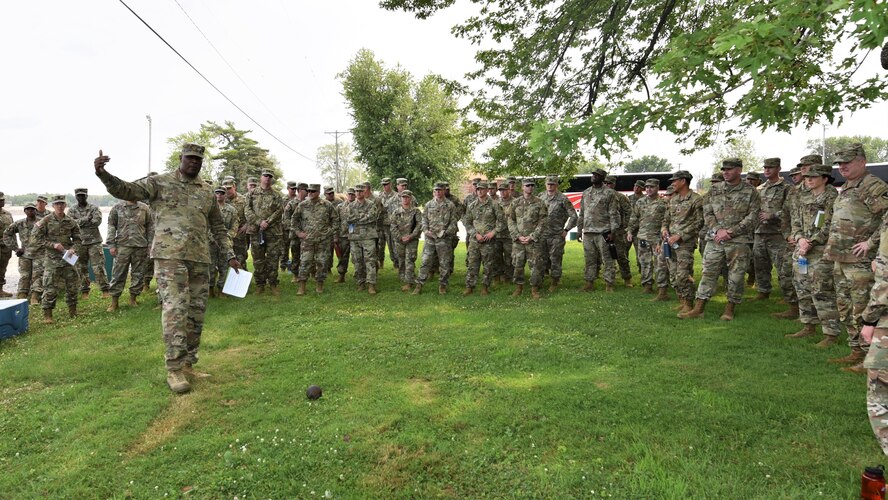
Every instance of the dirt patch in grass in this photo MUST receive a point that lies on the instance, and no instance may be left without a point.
(420, 391)
(12, 394)
(167, 425)
(396, 467)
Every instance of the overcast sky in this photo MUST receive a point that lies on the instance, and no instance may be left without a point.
(79, 76)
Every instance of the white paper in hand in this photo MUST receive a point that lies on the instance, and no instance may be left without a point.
(70, 257)
(237, 284)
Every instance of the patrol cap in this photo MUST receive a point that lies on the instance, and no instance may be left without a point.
(28, 205)
(649, 183)
(640, 183)
(440, 186)
(59, 198)
(551, 179)
(40, 198)
(610, 179)
(446, 185)
(352, 190)
(512, 179)
(314, 187)
(291, 184)
(670, 191)
(329, 189)
(476, 180)
(772, 163)
(599, 171)
(302, 185)
(360, 187)
(529, 182)
(227, 183)
(401, 181)
(482, 185)
(681, 174)
(754, 175)
(191, 149)
(795, 171)
(219, 190)
(731, 163)
(80, 191)
(386, 180)
(810, 160)
(819, 171)
(268, 173)
(252, 180)
(406, 193)
(504, 186)
(717, 177)
(849, 153)
(152, 173)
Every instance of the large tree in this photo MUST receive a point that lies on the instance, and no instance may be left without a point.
(737, 147)
(558, 75)
(340, 170)
(648, 163)
(405, 128)
(876, 147)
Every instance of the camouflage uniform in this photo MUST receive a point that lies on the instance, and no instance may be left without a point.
(344, 244)
(857, 213)
(219, 265)
(815, 288)
(130, 229)
(406, 222)
(770, 247)
(460, 213)
(482, 217)
(57, 274)
(734, 208)
(241, 242)
(551, 244)
(503, 249)
(683, 217)
(439, 219)
(645, 225)
(319, 220)
(22, 228)
(5, 250)
(390, 202)
(90, 251)
(625, 207)
(633, 200)
(290, 244)
(527, 217)
(876, 362)
(360, 222)
(599, 215)
(185, 213)
(37, 262)
(265, 205)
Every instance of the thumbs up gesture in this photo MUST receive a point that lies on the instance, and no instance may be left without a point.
(100, 162)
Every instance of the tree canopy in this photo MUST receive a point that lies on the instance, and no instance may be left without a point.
(349, 172)
(737, 147)
(557, 76)
(648, 163)
(876, 147)
(405, 128)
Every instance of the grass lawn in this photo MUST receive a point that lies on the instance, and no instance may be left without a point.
(575, 395)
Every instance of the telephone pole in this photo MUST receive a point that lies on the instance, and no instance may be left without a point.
(149, 142)
(336, 175)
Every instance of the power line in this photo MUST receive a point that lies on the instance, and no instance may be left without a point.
(231, 67)
(212, 85)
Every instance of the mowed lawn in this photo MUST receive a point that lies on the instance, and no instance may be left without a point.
(574, 395)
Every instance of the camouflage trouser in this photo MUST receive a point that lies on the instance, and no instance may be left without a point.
(877, 385)
(816, 293)
(313, 257)
(681, 270)
(37, 265)
(363, 254)
(294, 248)
(94, 256)
(344, 255)
(380, 244)
(750, 268)
(265, 258)
(480, 253)
(407, 253)
(530, 254)
(647, 259)
(552, 254)
(127, 257)
(437, 253)
(623, 254)
(5, 255)
(596, 252)
(147, 271)
(717, 254)
(664, 271)
(635, 245)
(768, 250)
(26, 266)
(503, 258)
(853, 282)
(59, 275)
(218, 267)
(386, 239)
(239, 246)
(183, 286)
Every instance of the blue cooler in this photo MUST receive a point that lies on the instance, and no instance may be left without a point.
(13, 317)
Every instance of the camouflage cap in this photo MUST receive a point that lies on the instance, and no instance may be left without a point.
(681, 174)
(640, 183)
(360, 187)
(795, 171)
(314, 187)
(2, 196)
(492, 184)
(367, 184)
(329, 190)
(42, 198)
(482, 185)
(610, 179)
(504, 186)
(219, 190)
(512, 179)
(476, 180)
(406, 193)
(440, 186)
(819, 171)
(252, 180)
(28, 205)
(227, 183)
(352, 190)
(599, 171)
(551, 179)
(731, 163)
(529, 182)
(650, 182)
(228, 178)
(670, 191)
(754, 176)
(191, 149)
(446, 185)
(772, 163)
(401, 181)
(59, 198)
(302, 185)
(152, 173)
(292, 184)
(268, 173)
(80, 191)
(717, 177)
(849, 154)
(810, 160)
(386, 180)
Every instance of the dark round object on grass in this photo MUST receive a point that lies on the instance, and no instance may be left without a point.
(313, 392)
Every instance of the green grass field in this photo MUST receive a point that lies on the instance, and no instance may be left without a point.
(575, 395)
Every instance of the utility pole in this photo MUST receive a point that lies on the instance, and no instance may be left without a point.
(823, 143)
(149, 142)
(336, 176)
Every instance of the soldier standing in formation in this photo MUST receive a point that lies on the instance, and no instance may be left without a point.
(241, 241)
(527, 218)
(89, 218)
(291, 256)
(316, 223)
(406, 227)
(484, 220)
(360, 223)
(23, 251)
(58, 233)
(344, 243)
(597, 223)
(638, 192)
(622, 244)
(439, 225)
(503, 267)
(330, 196)
(5, 250)
(644, 231)
(264, 209)
(681, 225)
(130, 230)
(562, 217)
(219, 264)
(389, 201)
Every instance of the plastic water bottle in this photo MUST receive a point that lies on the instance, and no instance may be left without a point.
(872, 483)
(803, 264)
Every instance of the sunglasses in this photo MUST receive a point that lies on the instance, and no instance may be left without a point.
(311, 190)
(267, 175)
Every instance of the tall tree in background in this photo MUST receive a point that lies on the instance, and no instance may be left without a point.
(229, 152)
(648, 163)
(597, 74)
(738, 147)
(349, 173)
(404, 128)
(876, 147)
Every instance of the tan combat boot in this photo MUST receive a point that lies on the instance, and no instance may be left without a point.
(828, 340)
(84, 295)
(728, 314)
(442, 289)
(362, 287)
(589, 286)
(72, 311)
(405, 287)
(609, 287)
(519, 289)
(319, 287)
(191, 374)
(417, 290)
(628, 282)
(341, 278)
(806, 331)
(294, 279)
(301, 290)
(662, 295)
(47, 317)
(371, 289)
(21, 295)
(535, 292)
(134, 299)
(791, 313)
(115, 303)
(485, 290)
(763, 296)
(696, 311)
(177, 382)
(35, 298)
(468, 291)
(857, 368)
(856, 356)
(106, 294)
(260, 289)
(553, 287)
(275, 291)
(649, 288)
